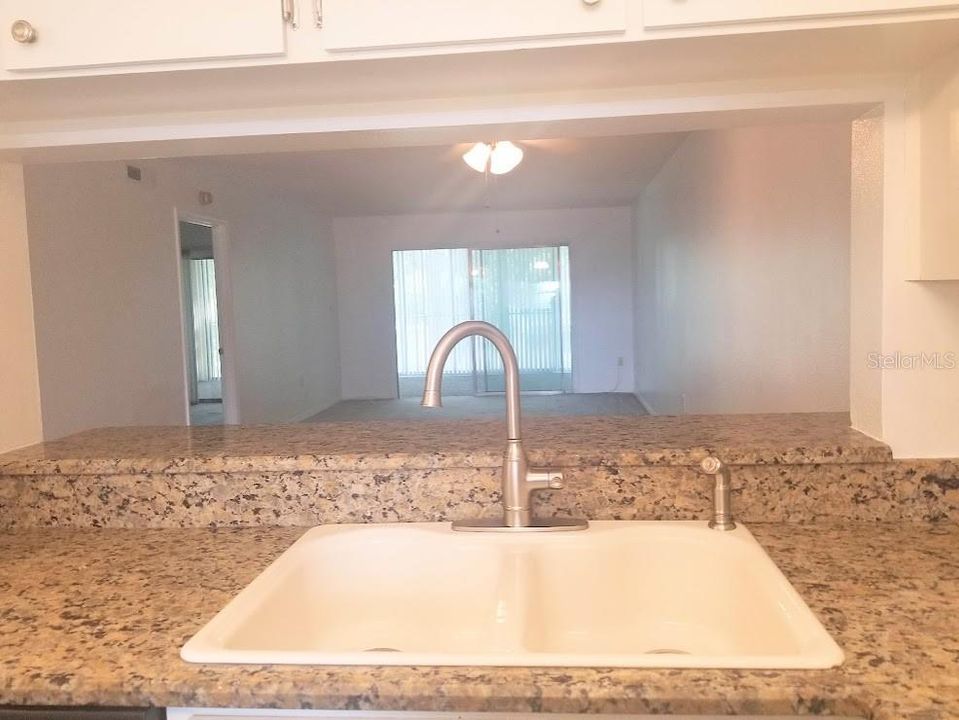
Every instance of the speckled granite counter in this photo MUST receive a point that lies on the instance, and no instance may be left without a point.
(98, 616)
(795, 468)
(404, 445)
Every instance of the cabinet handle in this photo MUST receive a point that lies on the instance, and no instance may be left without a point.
(23, 32)
(591, 2)
(289, 12)
(318, 13)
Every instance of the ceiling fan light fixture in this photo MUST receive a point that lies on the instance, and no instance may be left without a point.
(477, 157)
(505, 157)
(498, 158)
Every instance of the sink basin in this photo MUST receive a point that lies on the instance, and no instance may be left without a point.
(620, 594)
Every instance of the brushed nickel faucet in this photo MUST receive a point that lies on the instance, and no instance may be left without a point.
(722, 487)
(520, 481)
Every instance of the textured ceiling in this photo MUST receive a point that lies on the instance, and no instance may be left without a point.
(577, 172)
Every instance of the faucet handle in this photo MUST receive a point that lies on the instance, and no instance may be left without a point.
(722, 493)
(544, 479)
(711, 465)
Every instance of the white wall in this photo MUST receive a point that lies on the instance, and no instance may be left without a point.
(920, 404)
(938, 99)
(20, 421)
(865, 297)
(600, 279)
(742, 257)
(284, 288)
(104, 263)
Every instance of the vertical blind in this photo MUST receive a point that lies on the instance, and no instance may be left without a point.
(523, 291)
(206, 331)
(431, 294)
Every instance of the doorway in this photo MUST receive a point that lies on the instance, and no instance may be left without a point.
(204, 327)
(523, 291)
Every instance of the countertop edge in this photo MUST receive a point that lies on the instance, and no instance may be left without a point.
(665, 457)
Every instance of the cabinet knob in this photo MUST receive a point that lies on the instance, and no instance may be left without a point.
(23, 32)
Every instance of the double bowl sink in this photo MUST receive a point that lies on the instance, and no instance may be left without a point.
(619, 594)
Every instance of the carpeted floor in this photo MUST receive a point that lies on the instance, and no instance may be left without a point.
(483, 406)
(206, 413)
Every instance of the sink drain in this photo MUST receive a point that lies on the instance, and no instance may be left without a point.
(382, 649)
(667, 651)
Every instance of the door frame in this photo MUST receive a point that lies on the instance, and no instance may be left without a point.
(225, 317)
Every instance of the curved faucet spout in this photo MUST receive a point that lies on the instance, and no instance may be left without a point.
(433, 391)
(520, 481)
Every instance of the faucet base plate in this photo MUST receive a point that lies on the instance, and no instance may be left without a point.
(538, 525)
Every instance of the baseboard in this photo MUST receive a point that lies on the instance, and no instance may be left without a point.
(646, 406)
(367, 397)
(302, 417)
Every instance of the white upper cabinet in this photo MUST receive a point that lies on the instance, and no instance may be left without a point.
(55, 34)
(61, 38)
(367, 24)
(686, 13)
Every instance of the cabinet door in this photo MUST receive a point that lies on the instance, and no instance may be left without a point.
(65, 713)
(86, 33)
(679, 13)
(359, 24)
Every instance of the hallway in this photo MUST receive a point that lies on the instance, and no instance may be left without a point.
(206, 413)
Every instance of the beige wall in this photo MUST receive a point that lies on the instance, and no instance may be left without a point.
(19, 387)
(104, 263)
(742, 267)
(938, 100)
(865, 281)
(920, 400)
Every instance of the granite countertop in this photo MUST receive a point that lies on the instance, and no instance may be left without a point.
(98, 616)
(383, 445)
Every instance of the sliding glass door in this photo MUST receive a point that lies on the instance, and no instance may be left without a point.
(206, 331)
(523, 291)
(431, 290)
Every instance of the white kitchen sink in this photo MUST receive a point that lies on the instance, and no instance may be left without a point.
(620, 594)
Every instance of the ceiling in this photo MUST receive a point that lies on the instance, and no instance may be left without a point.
(572, 172)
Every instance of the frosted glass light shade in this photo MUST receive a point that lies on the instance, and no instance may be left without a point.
(499, 158)
(505, 157)
(478, 156)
